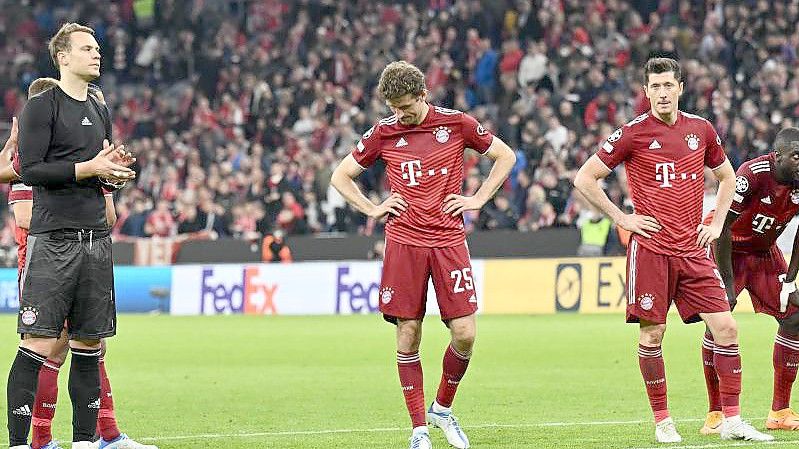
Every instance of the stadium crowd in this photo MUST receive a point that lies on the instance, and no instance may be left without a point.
(238, 110)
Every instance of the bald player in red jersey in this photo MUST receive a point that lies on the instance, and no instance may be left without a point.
(766, 199)
(422, 146)
(665, 152)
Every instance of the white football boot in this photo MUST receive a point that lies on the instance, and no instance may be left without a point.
(449, 424)
(420, 440)
(666, 432)
(737, 429)
(121, 442)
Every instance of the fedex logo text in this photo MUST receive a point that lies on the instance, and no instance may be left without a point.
(353, 296)
(248, 293)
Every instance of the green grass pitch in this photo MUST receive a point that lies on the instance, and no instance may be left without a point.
(562, 381)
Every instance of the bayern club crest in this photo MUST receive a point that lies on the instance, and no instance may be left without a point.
(647, 300)
(795, 196)
(28, 315)
(693, 141)
(442, 134)
(386, 295)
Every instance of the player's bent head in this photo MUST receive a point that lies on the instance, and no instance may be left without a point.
(401, 78)
(786, 159)
(402, 86)
(787, 140)
(74, 46)
(662, 65)
(40, 85)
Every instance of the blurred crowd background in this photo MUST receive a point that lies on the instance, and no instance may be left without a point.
(239, 110)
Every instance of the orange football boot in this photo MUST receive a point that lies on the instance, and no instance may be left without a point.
(785, 419)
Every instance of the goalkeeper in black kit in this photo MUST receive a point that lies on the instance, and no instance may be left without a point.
(66, 157)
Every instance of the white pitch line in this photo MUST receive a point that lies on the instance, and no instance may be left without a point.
(730, 444)
(287, 433)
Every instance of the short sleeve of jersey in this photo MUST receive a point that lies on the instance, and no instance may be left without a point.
(745, 186)
(714, 153)
(474, 135)
(617, 148)
(367, 150)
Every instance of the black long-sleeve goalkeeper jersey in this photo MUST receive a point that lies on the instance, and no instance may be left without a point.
(57, 131)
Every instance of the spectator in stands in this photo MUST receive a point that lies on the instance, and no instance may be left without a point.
(132, 223)
(260, 101)
(595, 229)
(275, 249)
(160, 222)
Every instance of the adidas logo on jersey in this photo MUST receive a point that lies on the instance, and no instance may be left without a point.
(95, 404)
(401, 143)
(766, 200)
(655, 145)
(22, 411)
(86, 122)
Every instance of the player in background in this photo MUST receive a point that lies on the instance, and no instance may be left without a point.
(21, 200)
(665, 152)
(422, 146)
(68, 271)
(766, 198)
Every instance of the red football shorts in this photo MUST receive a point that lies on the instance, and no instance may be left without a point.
(406, 270)
(655, 280)
(758, 273)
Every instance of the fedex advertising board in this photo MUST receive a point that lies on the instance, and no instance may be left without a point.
(309, 288)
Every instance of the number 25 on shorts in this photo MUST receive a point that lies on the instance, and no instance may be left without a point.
(464, 277)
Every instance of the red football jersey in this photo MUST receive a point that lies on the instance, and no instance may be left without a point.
(764, 206)
(665, 173)
(424, 164)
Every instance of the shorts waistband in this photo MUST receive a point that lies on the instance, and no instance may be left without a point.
(76, 234)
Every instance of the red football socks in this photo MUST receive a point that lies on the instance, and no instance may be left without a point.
(711, 378)
(106, 419)
(653, 370)
(409, 366)
(786, 362)
(44, 404)
(455, 365)
(727, 361)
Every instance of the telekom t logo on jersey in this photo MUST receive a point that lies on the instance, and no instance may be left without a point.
(665, 173)
(762, 223)
(412, 171)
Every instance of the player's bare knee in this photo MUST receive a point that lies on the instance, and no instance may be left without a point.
(60, 351)
(84, 344)
(652, 335)
(463, 343)
(409, 335)
(726, 333)
(103, 345)
(463, 338)
(38, 344)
